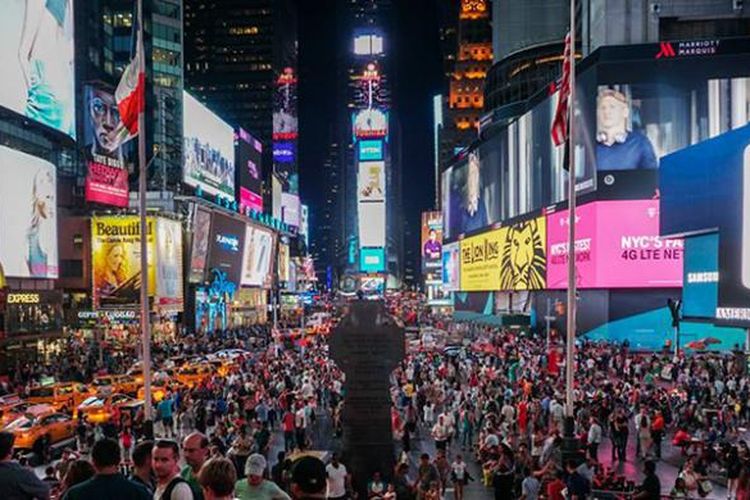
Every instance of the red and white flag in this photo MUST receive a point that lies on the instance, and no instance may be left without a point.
(131, 93)
(560, 122)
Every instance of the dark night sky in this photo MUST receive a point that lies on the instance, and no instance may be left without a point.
(417, 78)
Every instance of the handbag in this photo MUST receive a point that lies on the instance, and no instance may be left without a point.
(705, 488)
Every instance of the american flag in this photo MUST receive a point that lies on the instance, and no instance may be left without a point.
(560, 122)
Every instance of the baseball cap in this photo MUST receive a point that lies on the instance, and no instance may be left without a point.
(255, 465)
(309, 474)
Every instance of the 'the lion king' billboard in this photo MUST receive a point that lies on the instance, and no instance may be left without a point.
(510, 258)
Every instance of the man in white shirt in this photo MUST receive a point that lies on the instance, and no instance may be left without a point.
(338, 479)
(594, 439)
(165, 461)
(643, 414)
(300, 425)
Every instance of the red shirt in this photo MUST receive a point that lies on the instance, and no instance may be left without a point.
(288, 422)
(555, 489)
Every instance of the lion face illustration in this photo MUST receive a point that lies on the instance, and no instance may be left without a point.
(523, 263)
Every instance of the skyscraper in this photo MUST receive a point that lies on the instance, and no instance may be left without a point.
(241, 60)
(473, 57)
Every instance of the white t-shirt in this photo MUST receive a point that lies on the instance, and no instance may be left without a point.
(300, 419)
(180, 492)
(336, 481)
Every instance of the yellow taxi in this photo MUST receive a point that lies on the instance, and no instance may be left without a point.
(98, 410)
(62, 395)
(10, 413)
(159, 389)
(110, 384)
(33, 425)
(192, 375)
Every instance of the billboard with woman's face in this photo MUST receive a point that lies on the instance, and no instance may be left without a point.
(28, 216)
(37, 52)
(116, 260)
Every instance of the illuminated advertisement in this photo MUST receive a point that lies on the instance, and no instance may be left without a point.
(107, 177)
(38, 61)
(199, 248)
(283, 259)
(208, 149)
(226, 246)
(30, 312)
(116, 260)
(304, 223)
(367, 44)
(451, 267)
(617, 246)
(699, 197)
(371, 224)
(285, 125)
(432, 240)
(470, 191)
(284, 152)
(372, 260)
(28, 216)
(371, 181)
(509, 258)
(370, 123)
(249, 156)
(370, 150)
(700, 280)
(290, 209)
(257, 257)
(372, 285)
(168, 264)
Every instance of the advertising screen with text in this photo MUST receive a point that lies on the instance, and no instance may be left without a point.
(617, 246)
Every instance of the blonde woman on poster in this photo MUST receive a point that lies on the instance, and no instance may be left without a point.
(41, 233)
(111, 272)
(45, 56)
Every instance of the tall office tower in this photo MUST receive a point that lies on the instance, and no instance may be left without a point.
(370, 199)
(241, 60)
(108, 43)
(473, 57)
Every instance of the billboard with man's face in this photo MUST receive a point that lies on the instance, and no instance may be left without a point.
(432, 241)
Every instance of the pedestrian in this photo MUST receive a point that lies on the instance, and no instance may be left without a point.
(17, 481)
(142, 471)
(459, 476)
(650, 488)
(77, 472)
(644, 438)
(108, 482)
(594, 438)
(338, 480)
(195, 451)
(217, 478)
(165, 459)
(254, 486)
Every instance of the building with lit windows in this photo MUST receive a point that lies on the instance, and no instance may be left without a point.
(468, 63)
(241, 60)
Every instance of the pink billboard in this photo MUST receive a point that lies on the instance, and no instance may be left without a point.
(107, 185)
(617, 246)
(251, 200)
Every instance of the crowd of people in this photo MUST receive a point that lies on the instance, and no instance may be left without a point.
(489, 413)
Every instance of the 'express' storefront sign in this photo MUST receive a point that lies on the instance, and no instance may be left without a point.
(23, 298)
(33, 312)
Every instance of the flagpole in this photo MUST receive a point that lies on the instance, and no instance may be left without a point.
(143, 168)
(571, 317)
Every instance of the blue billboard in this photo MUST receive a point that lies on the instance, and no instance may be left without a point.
(370, 150)
(701, 279)
(372, 260)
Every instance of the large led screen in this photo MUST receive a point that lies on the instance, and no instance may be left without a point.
(510, 258)
(257, 258)
(372, 260)
(199, 248)
(283, 262)
(706, 187)
(226, 247)
(116, 260)
(617, 246)
(432, 241)
(370, 123)
(700, 289)
(169, 264)
(290, 209)
(37, 52)
(371, 224)
(28, 215)
(451, 267)
(208, 149)
(249, 155)
(371, 181)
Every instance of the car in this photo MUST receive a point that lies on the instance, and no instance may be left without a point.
(110, 384)
(192, 375)
(160, 388)
(32, 427)
(232, 353)
(61, 395)
(99, 410)
(12, 412)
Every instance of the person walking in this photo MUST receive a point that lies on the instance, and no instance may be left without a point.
(108, 482)
(17, 482)
(165, 459)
